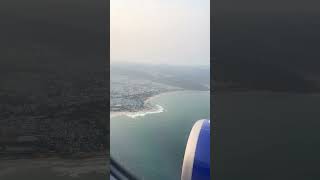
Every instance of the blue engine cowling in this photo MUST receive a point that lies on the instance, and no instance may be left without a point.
(196, 163)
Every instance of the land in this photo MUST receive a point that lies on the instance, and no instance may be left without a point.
(133, 84)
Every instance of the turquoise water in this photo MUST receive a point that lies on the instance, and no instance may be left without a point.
(152, 146)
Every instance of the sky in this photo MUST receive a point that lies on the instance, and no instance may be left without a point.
(160, 31)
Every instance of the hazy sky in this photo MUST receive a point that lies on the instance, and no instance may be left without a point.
(160, 31)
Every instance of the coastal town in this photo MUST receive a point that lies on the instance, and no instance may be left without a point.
(129, 95)
(131, 87)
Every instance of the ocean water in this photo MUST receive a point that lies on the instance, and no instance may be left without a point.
(152, 145)
(265, 135)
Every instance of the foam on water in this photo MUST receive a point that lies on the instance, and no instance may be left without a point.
(156, 109)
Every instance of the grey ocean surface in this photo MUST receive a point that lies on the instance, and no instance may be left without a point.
(152, 146)
(266, 135)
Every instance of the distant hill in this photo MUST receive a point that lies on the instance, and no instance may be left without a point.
(191, 78)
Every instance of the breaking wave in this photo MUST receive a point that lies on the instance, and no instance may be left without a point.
(156, 109)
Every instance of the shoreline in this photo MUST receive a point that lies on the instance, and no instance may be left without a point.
(114, 114)
(145, 110)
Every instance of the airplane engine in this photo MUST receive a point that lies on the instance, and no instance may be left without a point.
(196, 163)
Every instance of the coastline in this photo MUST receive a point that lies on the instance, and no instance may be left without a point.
(145, 109)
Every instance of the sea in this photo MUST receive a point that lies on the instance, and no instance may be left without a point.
(266, 135)
(151, 144)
